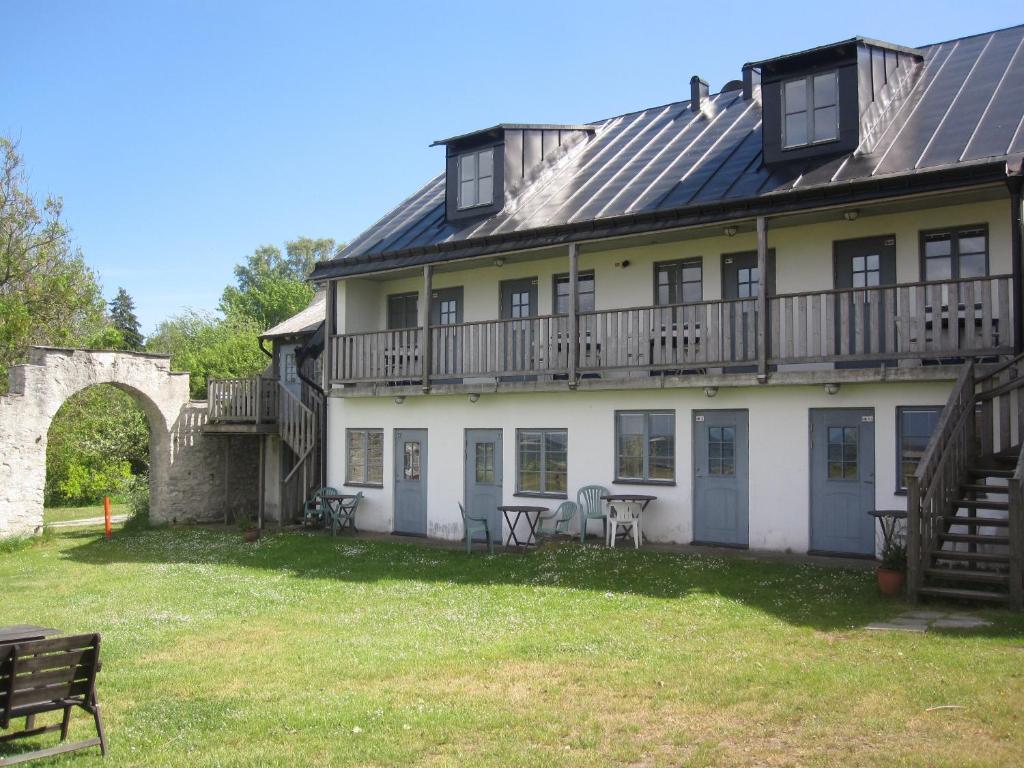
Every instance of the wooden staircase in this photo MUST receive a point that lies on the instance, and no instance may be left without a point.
(965, 533)
(299, 427)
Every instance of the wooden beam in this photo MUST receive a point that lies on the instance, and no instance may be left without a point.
(1017, 258)
(762, 299)
(425, 356)
(574, 309)
(329, 331)
(262, 485)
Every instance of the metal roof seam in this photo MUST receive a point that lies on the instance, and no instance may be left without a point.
(728, 156)
(952, 103)
(992, 99)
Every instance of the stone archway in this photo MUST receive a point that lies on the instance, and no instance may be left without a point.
(184, 464)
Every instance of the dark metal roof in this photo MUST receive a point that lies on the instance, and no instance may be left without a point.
(964, 110)
(516, 127)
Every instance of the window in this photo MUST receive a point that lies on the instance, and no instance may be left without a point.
(541, 461)
(290, 374)
(449, 311)
(914, 427)
(722, 451)
(747, 281)
(810, 110)
(645, 446)
(949, 254)
(584, 293)
(485, 463)
(403, 311)
(411, 460)
(678, 282)
(867, 271)
(842, 453)
(476, 178)
(365, 457)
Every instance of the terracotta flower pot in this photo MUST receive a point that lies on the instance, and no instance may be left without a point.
(890, 582)
(251, 535)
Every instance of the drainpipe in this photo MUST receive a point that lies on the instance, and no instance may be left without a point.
(1014, 181)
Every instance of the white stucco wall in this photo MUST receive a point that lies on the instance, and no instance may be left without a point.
(779, 449)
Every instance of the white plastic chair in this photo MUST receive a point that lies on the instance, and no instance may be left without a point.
(623, 514)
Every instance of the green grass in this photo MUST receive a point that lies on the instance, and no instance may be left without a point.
(60, 514)
(308, 650)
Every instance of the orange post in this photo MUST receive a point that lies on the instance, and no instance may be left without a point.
(106, 516)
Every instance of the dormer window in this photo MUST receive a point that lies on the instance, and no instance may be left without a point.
(810, 108)
(476, 178)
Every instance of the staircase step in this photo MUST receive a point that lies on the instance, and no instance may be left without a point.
(982, 488)
(973, 557)
(965, 574)
(964, 594)
(993, 521)
(974, 538)
(982, 503)
(989, 472)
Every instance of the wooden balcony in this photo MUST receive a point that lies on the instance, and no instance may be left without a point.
(242, 401)
(938, 321)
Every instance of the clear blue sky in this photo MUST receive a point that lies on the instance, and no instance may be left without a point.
(182, 135)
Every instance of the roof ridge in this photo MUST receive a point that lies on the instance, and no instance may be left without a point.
(968, 37)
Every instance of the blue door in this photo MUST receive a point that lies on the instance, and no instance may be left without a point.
(842, 481)
(411, 481)
(483, 477)
(720, 478)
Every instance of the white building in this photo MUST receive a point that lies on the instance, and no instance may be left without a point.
(753, 304)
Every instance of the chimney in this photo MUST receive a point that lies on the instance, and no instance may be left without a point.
(698, 93)
(751, 80)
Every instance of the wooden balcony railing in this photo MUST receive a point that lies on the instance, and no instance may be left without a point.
(940, 320)
(242, 400)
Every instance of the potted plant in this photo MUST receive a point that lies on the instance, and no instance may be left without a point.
(891, 573)
(249, 531)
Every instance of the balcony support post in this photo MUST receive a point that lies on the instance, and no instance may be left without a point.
(1014, 182)
(259, 398)
(574, 309)
(762, 299)
(329, 331)
(425, 300)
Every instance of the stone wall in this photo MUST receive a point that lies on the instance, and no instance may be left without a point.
(193, 476)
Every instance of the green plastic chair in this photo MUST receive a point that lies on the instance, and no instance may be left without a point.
(345, 514)
(476, 525)
(592, 508)
(314, 511)
(558, 521)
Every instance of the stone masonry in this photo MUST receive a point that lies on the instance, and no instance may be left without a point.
(194, 477)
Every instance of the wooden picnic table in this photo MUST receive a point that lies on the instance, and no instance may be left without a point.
(20, 633)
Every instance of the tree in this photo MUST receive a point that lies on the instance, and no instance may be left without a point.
(48, 296)
(270, 287)
(122, 315)
(208, 348)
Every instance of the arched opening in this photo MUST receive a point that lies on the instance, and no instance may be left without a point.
(99, 443)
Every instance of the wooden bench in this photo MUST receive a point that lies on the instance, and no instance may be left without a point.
(43, 676)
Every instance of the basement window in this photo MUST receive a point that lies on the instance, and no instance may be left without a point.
(476, 179)
(810, 110)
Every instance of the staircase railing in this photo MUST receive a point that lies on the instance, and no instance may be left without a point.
(983, 417)
(299, 428)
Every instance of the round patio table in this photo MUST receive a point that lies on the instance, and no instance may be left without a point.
(513, 513)
(638, 501)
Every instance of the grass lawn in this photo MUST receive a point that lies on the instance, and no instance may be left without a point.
(59, 514)
(307, 650)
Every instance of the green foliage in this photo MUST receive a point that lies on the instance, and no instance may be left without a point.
(97, 441)
(122, 316)
(894, 555)
(48, 296)
(207, 347)
(136, 495)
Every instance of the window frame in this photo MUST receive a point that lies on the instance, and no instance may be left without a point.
(291, 368)
(901, 488)
(690, 261)
(405, 295)
(563, 277)
(542, 494)
(475, 155)
(365, 432)
(955, 234)
(646, 478)
(809, 109)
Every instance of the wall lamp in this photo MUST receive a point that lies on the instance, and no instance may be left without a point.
(399, 399)
(851, 215)
(831, 388)
(710, 391)
(500, 261)
(730, 231)
(474, 396)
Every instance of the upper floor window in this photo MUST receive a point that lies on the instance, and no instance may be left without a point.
(476, 178)
(678, 282)
(948, 254)
(403, 311)
(584, 293)
(810, 110)
(290, 374)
